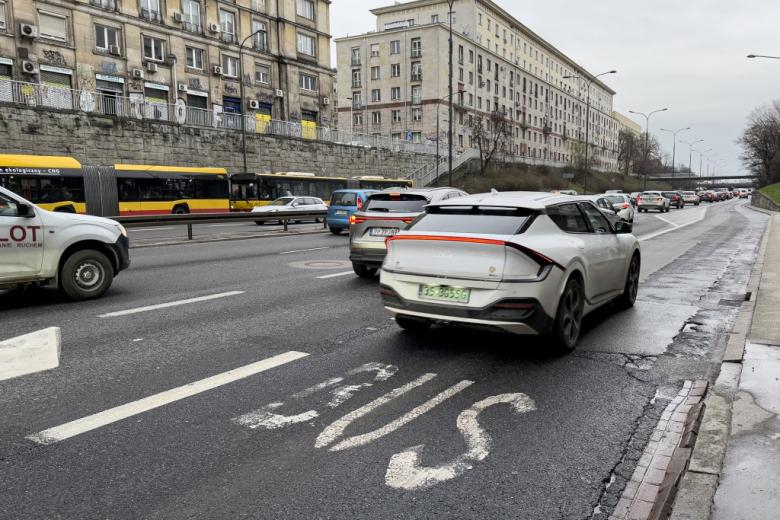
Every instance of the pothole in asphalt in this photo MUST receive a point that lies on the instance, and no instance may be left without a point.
(321, 264)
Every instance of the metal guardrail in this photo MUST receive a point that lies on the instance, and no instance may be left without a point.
(191, 219)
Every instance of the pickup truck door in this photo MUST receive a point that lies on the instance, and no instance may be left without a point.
(21, 241)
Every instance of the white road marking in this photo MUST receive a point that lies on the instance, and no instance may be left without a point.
(30, 353)
(170, 304)
(304, 250)
(366, 438)
(98, 420)
(336, 429)
(345, 273)
(227, 225)
(659, 217)
(677, 226)
(151, 228)
(405, 472)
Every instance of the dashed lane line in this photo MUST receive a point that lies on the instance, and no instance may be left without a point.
(644, 238)
(335, 275)
(303, 250)
(100, 419)
(170, 304)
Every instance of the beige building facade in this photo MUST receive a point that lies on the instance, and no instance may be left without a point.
(168, 50)
(626, 124)
(392, 81)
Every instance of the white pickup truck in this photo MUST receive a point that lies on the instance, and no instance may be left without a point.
(79, 254)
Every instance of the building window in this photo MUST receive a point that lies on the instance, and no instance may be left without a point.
(460, 54)
(374, 50)
(195, 58)
(260, 30)
(416, 71)
(417, 114)
(53, 26)
(376, 118)
(417, 137)
(150, 10)
(154, 49)
(395, 47)
(357, 119)
(229, 66)
(375, 73)
(416, 47)
(262, 74)
(395, 70)
(357, 100)
(395, 93)
(416, 95)
(258, 5)
(396, 116)
(306, 44)
(105, 38)
(227, 24)
(356, 83)
(307, 82)
(3, 22)
(190, 16)
(305, 9)
(355, 55)
(376, 95)
(108, 5)
(434, 18)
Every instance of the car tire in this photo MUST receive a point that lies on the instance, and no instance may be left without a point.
(260, 222)
(364, 271)
(86, 275)
(568, 320)
(317, 220)
(410, 324)
(336, 231)
(631, 288)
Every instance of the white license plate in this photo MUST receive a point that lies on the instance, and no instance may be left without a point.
(341, 212)
(383, 232)
(443, 293)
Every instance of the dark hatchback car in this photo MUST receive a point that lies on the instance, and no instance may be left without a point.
(675, 198)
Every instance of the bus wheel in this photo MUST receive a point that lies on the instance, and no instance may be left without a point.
(180, 210)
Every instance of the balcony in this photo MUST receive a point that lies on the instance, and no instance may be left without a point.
(260, 44)
(417, 77)
(109, 5)
(227, 37)
(416, 53)
(356, 83)
(355, 61)
(152, 16)
(416, 100)
(191, 27)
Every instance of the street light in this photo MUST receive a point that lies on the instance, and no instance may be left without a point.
(450, 123)
(751, 56)
(587, 121)
(674, 146)
(690, 154)
(647, 134)
(438, 136)
(241, 87)
(351, 117)
(701, 159)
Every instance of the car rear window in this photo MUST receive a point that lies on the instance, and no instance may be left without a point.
(488, 220)
(343, 199)
(669, 194)
(616, 199)
(397, 203)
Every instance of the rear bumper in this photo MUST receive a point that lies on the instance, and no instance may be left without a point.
(338, 221)
(368, 253)
(652, 206)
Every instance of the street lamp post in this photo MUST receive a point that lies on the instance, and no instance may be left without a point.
(701, 160)
(351, 117)
(438, 136)
(449, 82)
(647, 134)
(763, 56)
(587, 122)
(243, 101)
(674, 145)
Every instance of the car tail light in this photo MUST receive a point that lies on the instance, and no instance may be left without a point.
(354, 219)
(359, 203)
(625, 205)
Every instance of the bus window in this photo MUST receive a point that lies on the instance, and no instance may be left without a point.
(178, 189)
(210, 189)
(127, 190)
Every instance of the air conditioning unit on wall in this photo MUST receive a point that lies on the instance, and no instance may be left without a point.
(28, 30)
(182, 87)
(279, 92)
(217, 70)
(254, 104)
(29, 67)
(151, 67)
(137, 73)
(326, 100)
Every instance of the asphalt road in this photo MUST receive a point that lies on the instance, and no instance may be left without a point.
(370, 422)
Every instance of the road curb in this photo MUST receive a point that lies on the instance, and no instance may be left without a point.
(224, 239)
(31, 353)
(651, 490)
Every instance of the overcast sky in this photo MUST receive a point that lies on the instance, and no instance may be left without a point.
(687, 55)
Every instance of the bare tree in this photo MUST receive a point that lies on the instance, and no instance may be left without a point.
(627, 151)
(761, 143)
(491, 136)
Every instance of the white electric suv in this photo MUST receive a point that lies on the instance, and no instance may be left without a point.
(524, 262)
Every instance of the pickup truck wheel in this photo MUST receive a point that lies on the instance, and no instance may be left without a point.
(86, 275)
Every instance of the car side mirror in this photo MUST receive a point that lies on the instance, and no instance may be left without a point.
(25, 210)
(623, 228)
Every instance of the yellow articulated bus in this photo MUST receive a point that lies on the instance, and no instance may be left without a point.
(54, 183)
(163, 190)
(259, 189)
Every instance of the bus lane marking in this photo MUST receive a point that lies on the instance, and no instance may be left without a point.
(106, 417)
(405, 471)
(176, 303)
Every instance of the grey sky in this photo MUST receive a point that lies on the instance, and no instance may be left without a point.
(687, 55)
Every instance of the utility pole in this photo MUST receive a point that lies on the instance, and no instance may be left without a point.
(647, 136)
(243, 101)
(451, 129)
(674, 145)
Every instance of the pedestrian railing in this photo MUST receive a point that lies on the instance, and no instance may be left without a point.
(106, 103)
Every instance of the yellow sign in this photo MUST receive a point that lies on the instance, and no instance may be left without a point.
(308, 130)
(262, 123)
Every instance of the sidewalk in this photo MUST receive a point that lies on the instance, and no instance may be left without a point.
(734, 471)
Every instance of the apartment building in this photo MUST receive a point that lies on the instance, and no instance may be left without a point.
(394, 80)
(626, 124)
(161, 51)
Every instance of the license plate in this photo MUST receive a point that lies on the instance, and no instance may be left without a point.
(383, 232)
(443, 293)
(341, 212)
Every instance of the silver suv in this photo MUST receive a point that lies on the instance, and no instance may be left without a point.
(384, 215)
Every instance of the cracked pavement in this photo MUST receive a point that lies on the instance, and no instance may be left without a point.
(566, 454)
